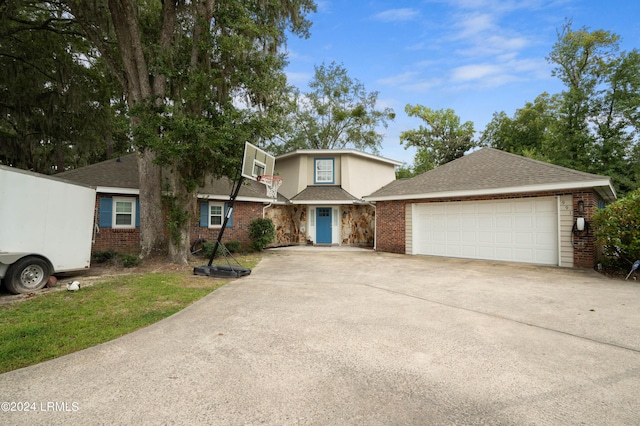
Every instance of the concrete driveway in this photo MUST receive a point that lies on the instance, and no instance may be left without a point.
(356, 337)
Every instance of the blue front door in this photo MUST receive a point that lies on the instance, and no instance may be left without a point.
(323, 225)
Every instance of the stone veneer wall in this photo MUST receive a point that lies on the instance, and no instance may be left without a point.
(357, 224)
(289, 222)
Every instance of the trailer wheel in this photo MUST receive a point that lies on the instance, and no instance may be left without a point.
(27, 275)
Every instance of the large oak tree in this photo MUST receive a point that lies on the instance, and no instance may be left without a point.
(199, 78)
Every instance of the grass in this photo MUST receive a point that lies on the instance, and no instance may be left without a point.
(62, 322)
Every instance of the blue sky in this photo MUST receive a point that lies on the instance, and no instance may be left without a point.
(476, 57)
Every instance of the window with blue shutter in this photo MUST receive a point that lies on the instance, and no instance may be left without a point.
(119, 212)
(212, 214)
(105, 213)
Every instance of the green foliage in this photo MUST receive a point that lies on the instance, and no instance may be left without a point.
(262, 232)
(232, 247)
(528, 131)
(443, 139)
(126, 260)
(336, 113)
(60, 109)
(593, 125)
(129, 260)
(617, 228)
(103, 256)
(405, 172)
(177, 218)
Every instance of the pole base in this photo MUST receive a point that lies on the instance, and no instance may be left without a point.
(223, 271)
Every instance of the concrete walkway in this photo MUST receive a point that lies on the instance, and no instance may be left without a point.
(356, 337)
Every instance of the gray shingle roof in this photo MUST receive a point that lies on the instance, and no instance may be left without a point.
(119, 172)
(490, 171)
(123, 173)
(324, 193)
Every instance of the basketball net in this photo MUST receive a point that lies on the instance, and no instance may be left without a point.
(272, 183)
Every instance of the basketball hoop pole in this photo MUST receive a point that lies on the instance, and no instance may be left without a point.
(232, 200)
(255, 162)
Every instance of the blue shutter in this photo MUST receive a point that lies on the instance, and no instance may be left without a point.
(137, 212)
(105, 212)
(230, 221)
(204, 215)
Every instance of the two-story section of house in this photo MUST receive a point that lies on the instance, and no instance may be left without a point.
(326, 190)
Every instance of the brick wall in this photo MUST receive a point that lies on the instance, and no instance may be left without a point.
(390, 226)
(119, 240)
(391, 222)
(584, 248)
(243, 213)
(128, 240)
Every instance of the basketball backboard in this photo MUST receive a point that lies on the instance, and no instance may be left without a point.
(256, 162)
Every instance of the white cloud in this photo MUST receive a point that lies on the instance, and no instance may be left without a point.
(422, 86)
(473, 24)
(474, 72)
(298, 78)
(393, 15)
(323, 6)
(399, 79)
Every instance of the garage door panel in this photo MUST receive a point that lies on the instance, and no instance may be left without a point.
(509, 230)
(504, 222)
(524, 255)
(503, 237)
(524, 238)
(486, 237)
(469, 237)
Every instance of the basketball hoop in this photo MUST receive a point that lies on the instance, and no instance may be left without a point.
(272, 183)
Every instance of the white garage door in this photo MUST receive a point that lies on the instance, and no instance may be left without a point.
(524, 230)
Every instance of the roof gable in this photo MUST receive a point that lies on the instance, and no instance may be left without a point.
(491, 171)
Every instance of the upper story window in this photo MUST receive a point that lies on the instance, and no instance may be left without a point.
(124, 212)
(324, 170)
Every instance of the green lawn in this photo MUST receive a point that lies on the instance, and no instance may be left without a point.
(62, 322)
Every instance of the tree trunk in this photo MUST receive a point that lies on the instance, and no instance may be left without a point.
(180, 210)
(151, 213)
(138, 89)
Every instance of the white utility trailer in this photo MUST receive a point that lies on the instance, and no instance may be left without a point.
(46, 227)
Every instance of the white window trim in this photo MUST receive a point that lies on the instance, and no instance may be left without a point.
(333, 171)
(114, 209)
(221, 205)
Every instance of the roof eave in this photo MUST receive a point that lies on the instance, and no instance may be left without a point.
(117, 190)
(604, 188)
(339, 151)
(327, 202)
(239, 198)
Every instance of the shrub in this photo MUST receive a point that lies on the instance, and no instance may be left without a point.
(234, 246)
(262, 232)
(129, 260)
(103, 256)
(207, 249)
(617, 229)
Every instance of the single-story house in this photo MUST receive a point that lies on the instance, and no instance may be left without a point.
(117, 218)
(496, 206)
